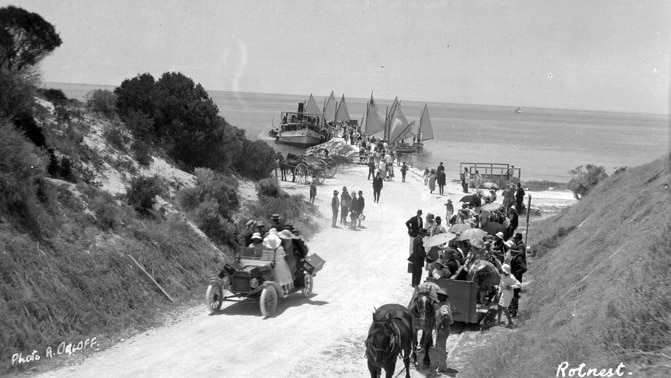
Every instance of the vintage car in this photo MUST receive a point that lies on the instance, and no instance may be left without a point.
(264, 273)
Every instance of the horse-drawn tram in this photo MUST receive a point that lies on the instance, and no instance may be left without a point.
(268, 271)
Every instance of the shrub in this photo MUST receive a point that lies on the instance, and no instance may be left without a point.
(55, 96)
(141, 153)
(117, 137)
(140, 125)
(102, 101)
(256, 161)
(107, 215)
(583, 179)
(269, 187)
(17, 94)
(22, 165)
(142, 192)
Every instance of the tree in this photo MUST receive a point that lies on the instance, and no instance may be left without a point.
(25, 38)
(583, 179)
(136, 95)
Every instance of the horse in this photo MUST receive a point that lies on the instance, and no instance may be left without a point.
(423, 317)
(289, 164)
(390, 334)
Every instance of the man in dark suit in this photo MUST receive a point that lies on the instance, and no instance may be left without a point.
(414, 224)
(335, 206)
(417, 257)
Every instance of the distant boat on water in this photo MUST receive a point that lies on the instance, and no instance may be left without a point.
(518, 111)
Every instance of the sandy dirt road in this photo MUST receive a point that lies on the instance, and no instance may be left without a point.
(320, 336)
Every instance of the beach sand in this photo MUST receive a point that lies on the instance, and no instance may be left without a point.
(321, 336)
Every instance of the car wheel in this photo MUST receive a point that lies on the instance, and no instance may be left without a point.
(268, 301)
(213, 298)
(308, 284)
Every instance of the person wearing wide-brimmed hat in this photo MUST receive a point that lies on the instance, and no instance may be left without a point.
(443, 320)
(507, 284)
(335, 206)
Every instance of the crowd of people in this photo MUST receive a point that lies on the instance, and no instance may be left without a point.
(349, 206)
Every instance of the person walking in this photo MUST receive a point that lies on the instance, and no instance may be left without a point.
(443, 320)
(518, 266)
(362, 205)
(335, 205)
(465, 178)
(345, 203)
(313, 191)
(404, 169)
(426, 175)
(414, 224)
(371, 168)
(377, 187)
(417, 257)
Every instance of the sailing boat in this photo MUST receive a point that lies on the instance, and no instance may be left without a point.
(425, 130)
(373, 122)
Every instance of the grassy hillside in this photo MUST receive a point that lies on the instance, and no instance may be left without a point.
(601, 290)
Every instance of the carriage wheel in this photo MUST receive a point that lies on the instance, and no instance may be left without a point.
(319, 176)
(302, 173)
(213, 298)
(329, 168)
(268, 302)
(308, 284)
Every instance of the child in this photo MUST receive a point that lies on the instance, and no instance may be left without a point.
(313, 191)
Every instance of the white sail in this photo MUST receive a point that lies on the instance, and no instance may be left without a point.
(342, 114)
(425, 128)
(374, 119)
(312, 107)
(398, 125)
(330, 108)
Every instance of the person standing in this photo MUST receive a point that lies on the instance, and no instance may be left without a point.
(426, 175)
(432, 181)
(465, 178)
(508, 284)
(362, 205)
(404, 169)
(354, 211)
(377, 187)
(345, 203)
(441, 168)
(443, 320)
(441, 181)
(449, 211)
(371, 168)
(514, 221)
(518, 266)
(414, 224)
(477, 179)
(519, 197)
(417, 257)
(313, 191)
(335, 205)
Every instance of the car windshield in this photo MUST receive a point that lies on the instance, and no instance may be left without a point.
(257, 253)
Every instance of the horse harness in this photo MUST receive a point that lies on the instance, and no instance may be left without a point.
(393, 345)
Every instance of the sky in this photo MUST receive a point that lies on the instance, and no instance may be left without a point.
(611, 55)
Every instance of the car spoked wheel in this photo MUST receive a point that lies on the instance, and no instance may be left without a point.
(268, 301)
(213, 298)
(308, 284)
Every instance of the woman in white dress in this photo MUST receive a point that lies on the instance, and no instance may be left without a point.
(507, 284)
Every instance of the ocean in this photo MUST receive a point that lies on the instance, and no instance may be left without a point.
(544, 143)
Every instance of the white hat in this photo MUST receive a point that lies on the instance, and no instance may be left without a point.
(505, 268)
(257, 235)
(499, 235)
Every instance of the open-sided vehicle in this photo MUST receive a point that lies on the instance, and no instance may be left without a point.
(264, 273)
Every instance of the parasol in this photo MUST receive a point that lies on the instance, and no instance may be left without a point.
(459, 227)
(490, 185)
(472, 233)
(494, 227)
(491, 206)
(439, 239)
(468, 198)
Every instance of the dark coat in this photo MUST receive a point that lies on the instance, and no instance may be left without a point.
(335, 204)
(519, 194)
(362, 204)
(377, 183)
(354, 206)
(414, 224)
(518, 265)
(514, 220)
